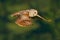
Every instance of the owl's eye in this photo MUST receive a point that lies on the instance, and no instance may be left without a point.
(34, 12)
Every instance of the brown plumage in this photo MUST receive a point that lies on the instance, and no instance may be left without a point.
(23, 18)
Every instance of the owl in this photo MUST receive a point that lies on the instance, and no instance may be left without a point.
(24, 17)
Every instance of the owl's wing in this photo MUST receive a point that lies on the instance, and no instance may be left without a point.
(21, 22)
(16, 14)
(23, 12)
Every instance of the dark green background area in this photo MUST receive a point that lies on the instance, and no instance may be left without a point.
(40, 30)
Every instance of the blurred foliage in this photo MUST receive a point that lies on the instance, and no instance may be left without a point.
(40, 30)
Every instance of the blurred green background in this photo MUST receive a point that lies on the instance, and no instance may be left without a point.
(40, 30)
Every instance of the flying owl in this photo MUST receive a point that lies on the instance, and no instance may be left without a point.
(24, 17)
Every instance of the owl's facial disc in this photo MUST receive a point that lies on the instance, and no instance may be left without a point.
(33, 13)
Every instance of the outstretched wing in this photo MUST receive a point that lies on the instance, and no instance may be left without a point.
(21, 22)
(23, 12)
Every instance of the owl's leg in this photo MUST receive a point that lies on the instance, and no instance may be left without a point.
(48, 20)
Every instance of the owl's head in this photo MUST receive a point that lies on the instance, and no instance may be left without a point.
(33, 12)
